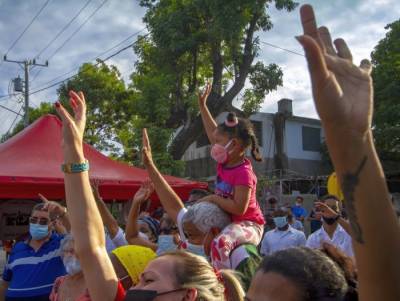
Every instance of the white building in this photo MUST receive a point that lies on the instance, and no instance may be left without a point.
(287, 142)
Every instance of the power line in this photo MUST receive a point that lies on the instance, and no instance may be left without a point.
(26, 28)
(63, 29)
(95, 58)
(78, 29)
(72, 35)
(281, 48)
(15, 119)
(106, 59)
(98, 56)
(10, 110)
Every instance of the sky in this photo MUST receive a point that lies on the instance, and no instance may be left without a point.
(360, 22)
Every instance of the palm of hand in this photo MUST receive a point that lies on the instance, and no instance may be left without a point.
(344, 100)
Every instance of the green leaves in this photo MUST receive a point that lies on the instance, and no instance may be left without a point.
(386, 75)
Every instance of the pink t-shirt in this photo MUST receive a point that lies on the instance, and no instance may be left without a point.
(241, 175)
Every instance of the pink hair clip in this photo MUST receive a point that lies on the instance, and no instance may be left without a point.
(232, 123)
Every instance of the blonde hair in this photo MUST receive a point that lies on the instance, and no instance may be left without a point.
(194, 271)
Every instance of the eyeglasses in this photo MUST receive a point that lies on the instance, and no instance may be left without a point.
(41, 221)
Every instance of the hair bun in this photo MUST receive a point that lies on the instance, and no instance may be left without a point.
(231, 120)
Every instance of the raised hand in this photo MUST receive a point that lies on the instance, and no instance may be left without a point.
(95, 184)
(147, 158)
(73, 126)
(204, 95)
(52, 207)
(342, 91)
(325, 210)
(144, 192)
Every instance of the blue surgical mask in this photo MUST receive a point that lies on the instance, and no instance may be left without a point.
(72, 265)
(196, 249)
(280, 221)
(38, 231)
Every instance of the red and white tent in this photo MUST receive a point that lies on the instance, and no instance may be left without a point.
(30, 163)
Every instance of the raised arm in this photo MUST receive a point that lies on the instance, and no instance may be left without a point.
(132, 230)
(343, 98)
(108, 219)
(169, 199)
(208, 121)
(85, 218)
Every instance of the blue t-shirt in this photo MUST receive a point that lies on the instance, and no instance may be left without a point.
(299, 211)
(31, 273)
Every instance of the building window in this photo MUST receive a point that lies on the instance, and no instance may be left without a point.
(311, 139)
(257, 125)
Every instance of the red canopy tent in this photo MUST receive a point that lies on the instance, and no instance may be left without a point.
(30, 164)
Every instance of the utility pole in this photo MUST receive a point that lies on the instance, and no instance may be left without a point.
(26, 65)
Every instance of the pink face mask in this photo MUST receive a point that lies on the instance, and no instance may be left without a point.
(220, 153)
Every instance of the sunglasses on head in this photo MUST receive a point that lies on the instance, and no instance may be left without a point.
(41, 221)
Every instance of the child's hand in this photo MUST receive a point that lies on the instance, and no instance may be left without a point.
(144, 192)
(342, 91)
(147, 158)
(204, 95)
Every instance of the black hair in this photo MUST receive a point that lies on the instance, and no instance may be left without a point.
(244, 131)
(329, 197)
(311, 271)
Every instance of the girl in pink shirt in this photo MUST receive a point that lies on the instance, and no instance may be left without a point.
(235, 186)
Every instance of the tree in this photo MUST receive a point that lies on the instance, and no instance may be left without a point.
(194, 41)
(386, 75)
(112, 123)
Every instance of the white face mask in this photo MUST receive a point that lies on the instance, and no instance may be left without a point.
(72, 265)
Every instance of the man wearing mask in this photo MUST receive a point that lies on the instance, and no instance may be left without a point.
(335, 230)
(34, 264)
(283, 236)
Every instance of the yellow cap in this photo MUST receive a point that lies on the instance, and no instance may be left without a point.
(134, 259)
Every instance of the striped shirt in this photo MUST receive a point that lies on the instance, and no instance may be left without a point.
(31, 273)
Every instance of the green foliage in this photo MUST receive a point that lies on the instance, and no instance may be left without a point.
(386, 75)
(264, 79)
(195, 41)
(106, 99)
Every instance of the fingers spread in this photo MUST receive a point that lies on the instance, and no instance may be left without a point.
(343, 50)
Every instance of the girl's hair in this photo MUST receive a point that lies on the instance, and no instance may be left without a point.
(193, 271)
(244, 131)
(314, 273)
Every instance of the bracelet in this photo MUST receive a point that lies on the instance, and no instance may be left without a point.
(75, 167)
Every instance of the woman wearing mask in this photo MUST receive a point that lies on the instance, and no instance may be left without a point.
(129, 263)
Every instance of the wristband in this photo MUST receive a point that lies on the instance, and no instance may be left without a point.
(75, 167)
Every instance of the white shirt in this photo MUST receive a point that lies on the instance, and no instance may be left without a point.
(340, 239)
(118, 241)
(276, 240)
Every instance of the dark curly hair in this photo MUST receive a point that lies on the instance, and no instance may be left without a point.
(314, 273)
(243, 131)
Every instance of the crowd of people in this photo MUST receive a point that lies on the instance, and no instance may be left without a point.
(214, 247)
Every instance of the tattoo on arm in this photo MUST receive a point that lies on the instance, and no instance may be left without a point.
(349, 184)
